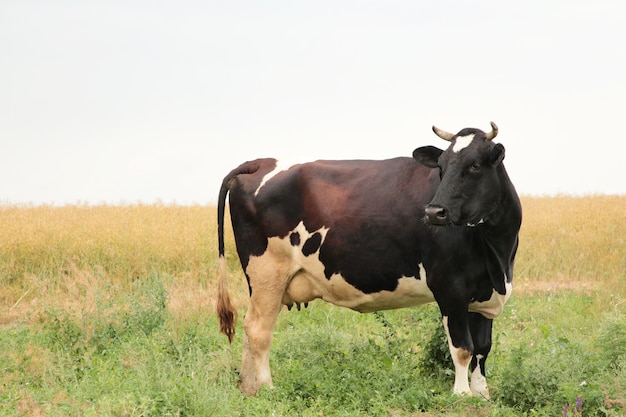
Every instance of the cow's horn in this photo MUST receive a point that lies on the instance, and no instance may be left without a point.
(494, 132)
(443, 134)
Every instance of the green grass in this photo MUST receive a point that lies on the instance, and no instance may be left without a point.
(84, 335)
(138, 360)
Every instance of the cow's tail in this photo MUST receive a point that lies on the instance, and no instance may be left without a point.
(225, 310)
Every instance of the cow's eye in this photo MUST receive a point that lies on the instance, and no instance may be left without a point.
(475, 167)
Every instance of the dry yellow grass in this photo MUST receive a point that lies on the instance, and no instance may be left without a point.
(577, 242)
(127, 241)
(67, 254)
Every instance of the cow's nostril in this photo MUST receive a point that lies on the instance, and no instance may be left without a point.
(436, 215)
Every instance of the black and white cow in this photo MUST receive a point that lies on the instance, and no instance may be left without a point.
(373, 235)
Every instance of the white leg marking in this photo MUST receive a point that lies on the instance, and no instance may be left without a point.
(462, 142)
(258, 325)
(479, 382)
(461, 364)
(268, 275)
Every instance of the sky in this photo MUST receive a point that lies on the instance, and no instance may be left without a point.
(123, 102)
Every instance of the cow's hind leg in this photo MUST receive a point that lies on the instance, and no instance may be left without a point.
(481, 328)
(267, 286)
(257, 340)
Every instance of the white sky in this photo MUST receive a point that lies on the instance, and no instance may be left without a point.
(137, 101)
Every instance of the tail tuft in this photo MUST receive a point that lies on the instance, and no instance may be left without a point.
(225, 310)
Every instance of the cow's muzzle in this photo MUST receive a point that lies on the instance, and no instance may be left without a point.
(437, 215)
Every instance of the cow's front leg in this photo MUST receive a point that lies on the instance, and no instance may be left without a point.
(461, 349)
(481, 328)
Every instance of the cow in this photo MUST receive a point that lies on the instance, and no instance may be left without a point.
(374, 235)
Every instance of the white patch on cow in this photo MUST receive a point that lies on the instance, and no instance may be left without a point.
(301, 278)
(478, 382)
(280, 166)
(461, 366)
(494, 306)
(481, 221)
(462, 142)
(410, 292)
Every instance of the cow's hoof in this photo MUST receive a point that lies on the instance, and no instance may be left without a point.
(247, 389)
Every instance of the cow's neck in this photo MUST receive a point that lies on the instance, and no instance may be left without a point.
(501, 237)
(506, 219)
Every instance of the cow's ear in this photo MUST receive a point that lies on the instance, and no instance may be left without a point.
(428, 155)
(497, 154)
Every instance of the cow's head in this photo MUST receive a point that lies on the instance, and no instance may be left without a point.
(470, 181)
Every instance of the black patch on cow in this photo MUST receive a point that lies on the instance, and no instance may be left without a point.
(294, 239)
(312, 244)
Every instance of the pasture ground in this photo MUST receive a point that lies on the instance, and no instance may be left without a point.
(108, 311)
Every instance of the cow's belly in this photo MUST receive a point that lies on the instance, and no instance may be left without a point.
(293, 271)
(301, 273)
(305, 287)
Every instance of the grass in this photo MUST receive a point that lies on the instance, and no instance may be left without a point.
(573, 240)
(108, 311)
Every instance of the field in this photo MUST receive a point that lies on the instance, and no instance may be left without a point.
(109, 311)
